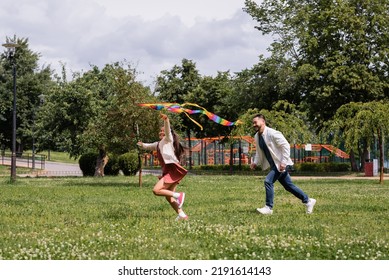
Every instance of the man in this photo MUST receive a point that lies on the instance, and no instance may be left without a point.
(273, 151)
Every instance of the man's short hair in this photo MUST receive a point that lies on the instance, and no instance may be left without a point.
(261, 116)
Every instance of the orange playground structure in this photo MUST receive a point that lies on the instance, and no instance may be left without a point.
(220, 150)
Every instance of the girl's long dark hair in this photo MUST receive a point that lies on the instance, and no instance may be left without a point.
(178, 148)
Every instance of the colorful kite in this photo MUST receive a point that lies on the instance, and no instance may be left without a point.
(180, 108)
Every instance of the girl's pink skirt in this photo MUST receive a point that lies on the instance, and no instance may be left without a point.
(173, 173)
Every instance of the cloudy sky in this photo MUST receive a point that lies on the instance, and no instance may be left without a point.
(154, 35)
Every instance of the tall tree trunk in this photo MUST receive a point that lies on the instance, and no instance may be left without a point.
(381, 148)
(101, 162)
(354, 166)
(365, 154)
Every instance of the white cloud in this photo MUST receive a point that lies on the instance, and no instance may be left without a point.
(153, 34)
(190, 11)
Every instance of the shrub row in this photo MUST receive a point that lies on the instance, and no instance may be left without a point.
(221, 167)
(299, 167)
(127, 163)
(322, 167)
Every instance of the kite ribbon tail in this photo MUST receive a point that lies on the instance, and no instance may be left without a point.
(213, 116)
(193, 120)
(194, 105)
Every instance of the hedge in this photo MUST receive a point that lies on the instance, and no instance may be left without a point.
(129, 163)
(87, 163)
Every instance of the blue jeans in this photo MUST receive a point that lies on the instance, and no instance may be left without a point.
(286, 182)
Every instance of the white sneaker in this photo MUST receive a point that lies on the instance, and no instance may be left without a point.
(180, 199)
(179, 218)
(310, 204)
(265, 210)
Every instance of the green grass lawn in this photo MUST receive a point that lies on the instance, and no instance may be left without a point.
(5, 170)
(56, 156)
(112, 218)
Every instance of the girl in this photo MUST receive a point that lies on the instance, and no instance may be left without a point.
(169, 151)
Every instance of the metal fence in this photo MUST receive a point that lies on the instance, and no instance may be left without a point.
(33, 161)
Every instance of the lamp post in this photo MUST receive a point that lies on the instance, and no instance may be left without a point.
(11, 55)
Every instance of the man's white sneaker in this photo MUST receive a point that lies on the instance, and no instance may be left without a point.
(310, 204)
(265, 210)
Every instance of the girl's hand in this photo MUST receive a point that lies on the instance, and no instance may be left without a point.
(139, 143)
(163, 116)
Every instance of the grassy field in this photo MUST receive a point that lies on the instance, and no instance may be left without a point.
(112, 218)
(6, 170)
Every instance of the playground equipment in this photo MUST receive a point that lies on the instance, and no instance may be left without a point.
(240, 150)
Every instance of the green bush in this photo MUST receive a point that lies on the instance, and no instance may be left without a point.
(128, 163)
(112, 167)
(322, 167)
(340, 167)
(87, 163)
(221, 167)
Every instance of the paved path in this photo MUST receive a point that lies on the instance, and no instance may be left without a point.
(51, 168)
(60, 169)
(346, 177)
(54, 169)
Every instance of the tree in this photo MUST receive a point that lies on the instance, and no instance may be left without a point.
(339, 49)
(214, 94)
(97, 111)
(32, 83)
(67, 110)
(284, 117)
(358, 122)
(124, 122)
(270, 80)
(174, 85)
